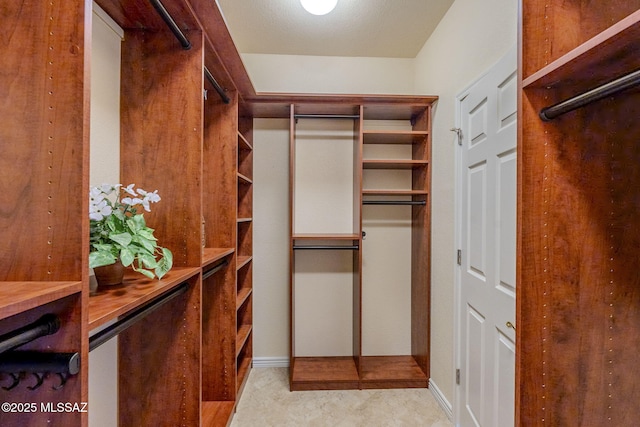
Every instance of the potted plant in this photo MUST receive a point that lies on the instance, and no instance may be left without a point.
(119, 234)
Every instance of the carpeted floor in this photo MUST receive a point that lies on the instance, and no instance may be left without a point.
(267, 401)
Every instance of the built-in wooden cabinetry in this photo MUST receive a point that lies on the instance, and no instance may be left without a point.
(395, 122)
(578, 304)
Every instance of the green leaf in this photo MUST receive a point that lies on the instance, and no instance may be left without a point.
(147, 260)
(147, 233)
(165, 263)
(122, 238)
(146, 244)
(147, 273)
(126, 256)
(136, 223)
(100, 258)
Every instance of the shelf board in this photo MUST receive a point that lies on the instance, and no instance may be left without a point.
(244, 220)
(324, 373)
(608, 55)
(244, 180)
(243, 144)
(114, 301)
(394, 192)
(17, 297)
(244, 366)
(211, 255)
(391, 372)
(243, 260)
(243, 295)
(394, 164)
(394, 137)
(217, 413)
(328, 236)
(243, 335)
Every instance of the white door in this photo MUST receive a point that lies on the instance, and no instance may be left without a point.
(487, 236)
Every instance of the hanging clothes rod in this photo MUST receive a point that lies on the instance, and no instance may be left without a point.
(326, 247)
(327, 116)
(608, 89)
(223, 95)
(214, 270)
(159, 7)
(123, 323)
(15, 362)
(395, 202)
(48, 324)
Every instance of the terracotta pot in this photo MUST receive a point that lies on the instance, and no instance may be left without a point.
(109, 275)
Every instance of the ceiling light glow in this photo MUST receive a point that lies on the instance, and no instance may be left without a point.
(319, 7)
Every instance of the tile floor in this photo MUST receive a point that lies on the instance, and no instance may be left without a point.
(267, 401)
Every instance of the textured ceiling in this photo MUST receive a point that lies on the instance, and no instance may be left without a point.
(376, 28)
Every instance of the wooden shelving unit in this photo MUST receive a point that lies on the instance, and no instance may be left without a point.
(358, 370)
(578, 196)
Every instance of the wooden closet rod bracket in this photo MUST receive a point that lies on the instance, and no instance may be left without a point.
(608, 89)
(99, 338)
(159, 7)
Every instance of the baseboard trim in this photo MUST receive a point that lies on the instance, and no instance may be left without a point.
(442, 401)
(270, 362)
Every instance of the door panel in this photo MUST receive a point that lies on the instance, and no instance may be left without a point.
(485, 396)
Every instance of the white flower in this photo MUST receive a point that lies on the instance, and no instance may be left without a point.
(129, 189)
(100, 210)
(131, 202)
(153, 197)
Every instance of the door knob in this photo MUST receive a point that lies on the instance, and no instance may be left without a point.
(511, 325)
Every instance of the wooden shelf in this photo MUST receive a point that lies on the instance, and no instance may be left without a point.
(244, 180)
(324, 373)
(394, 137)
(240, 220)
(242, 336)
(243, 295)
(243, 370)
(242, 261)
(218, 413)
(394, 164)
(391, 372)
(113, 301)
(211, 255)
(610, 54)
(328, 236)
(17, 297)
(394, 192)
(243, 144)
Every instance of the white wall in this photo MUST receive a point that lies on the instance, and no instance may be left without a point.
(324, 74)
(472, 36)
(104, 168)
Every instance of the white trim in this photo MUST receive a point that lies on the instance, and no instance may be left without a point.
(100, 13)
(270, 362)
(442, 401)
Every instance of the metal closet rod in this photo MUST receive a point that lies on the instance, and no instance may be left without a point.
(123, 323)
(214, 270)
(15, 362)
(216, 86)
(326, 247)
(608, 89)
(186, 44)
(395, 202)
(327, 116)
(48, 324)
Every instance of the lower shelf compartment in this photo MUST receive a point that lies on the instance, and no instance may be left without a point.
(340, 373)
(324, 373)
(217, 413)
(391, 372)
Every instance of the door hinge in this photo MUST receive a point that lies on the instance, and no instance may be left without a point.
(459, 256)
(457, 376)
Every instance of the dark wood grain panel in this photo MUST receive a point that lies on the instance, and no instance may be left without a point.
(161, 136)
(324, 373)
(44, 160)
(159, 360)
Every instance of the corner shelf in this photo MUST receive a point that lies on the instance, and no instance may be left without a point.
(211, 255)
(244, 180)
